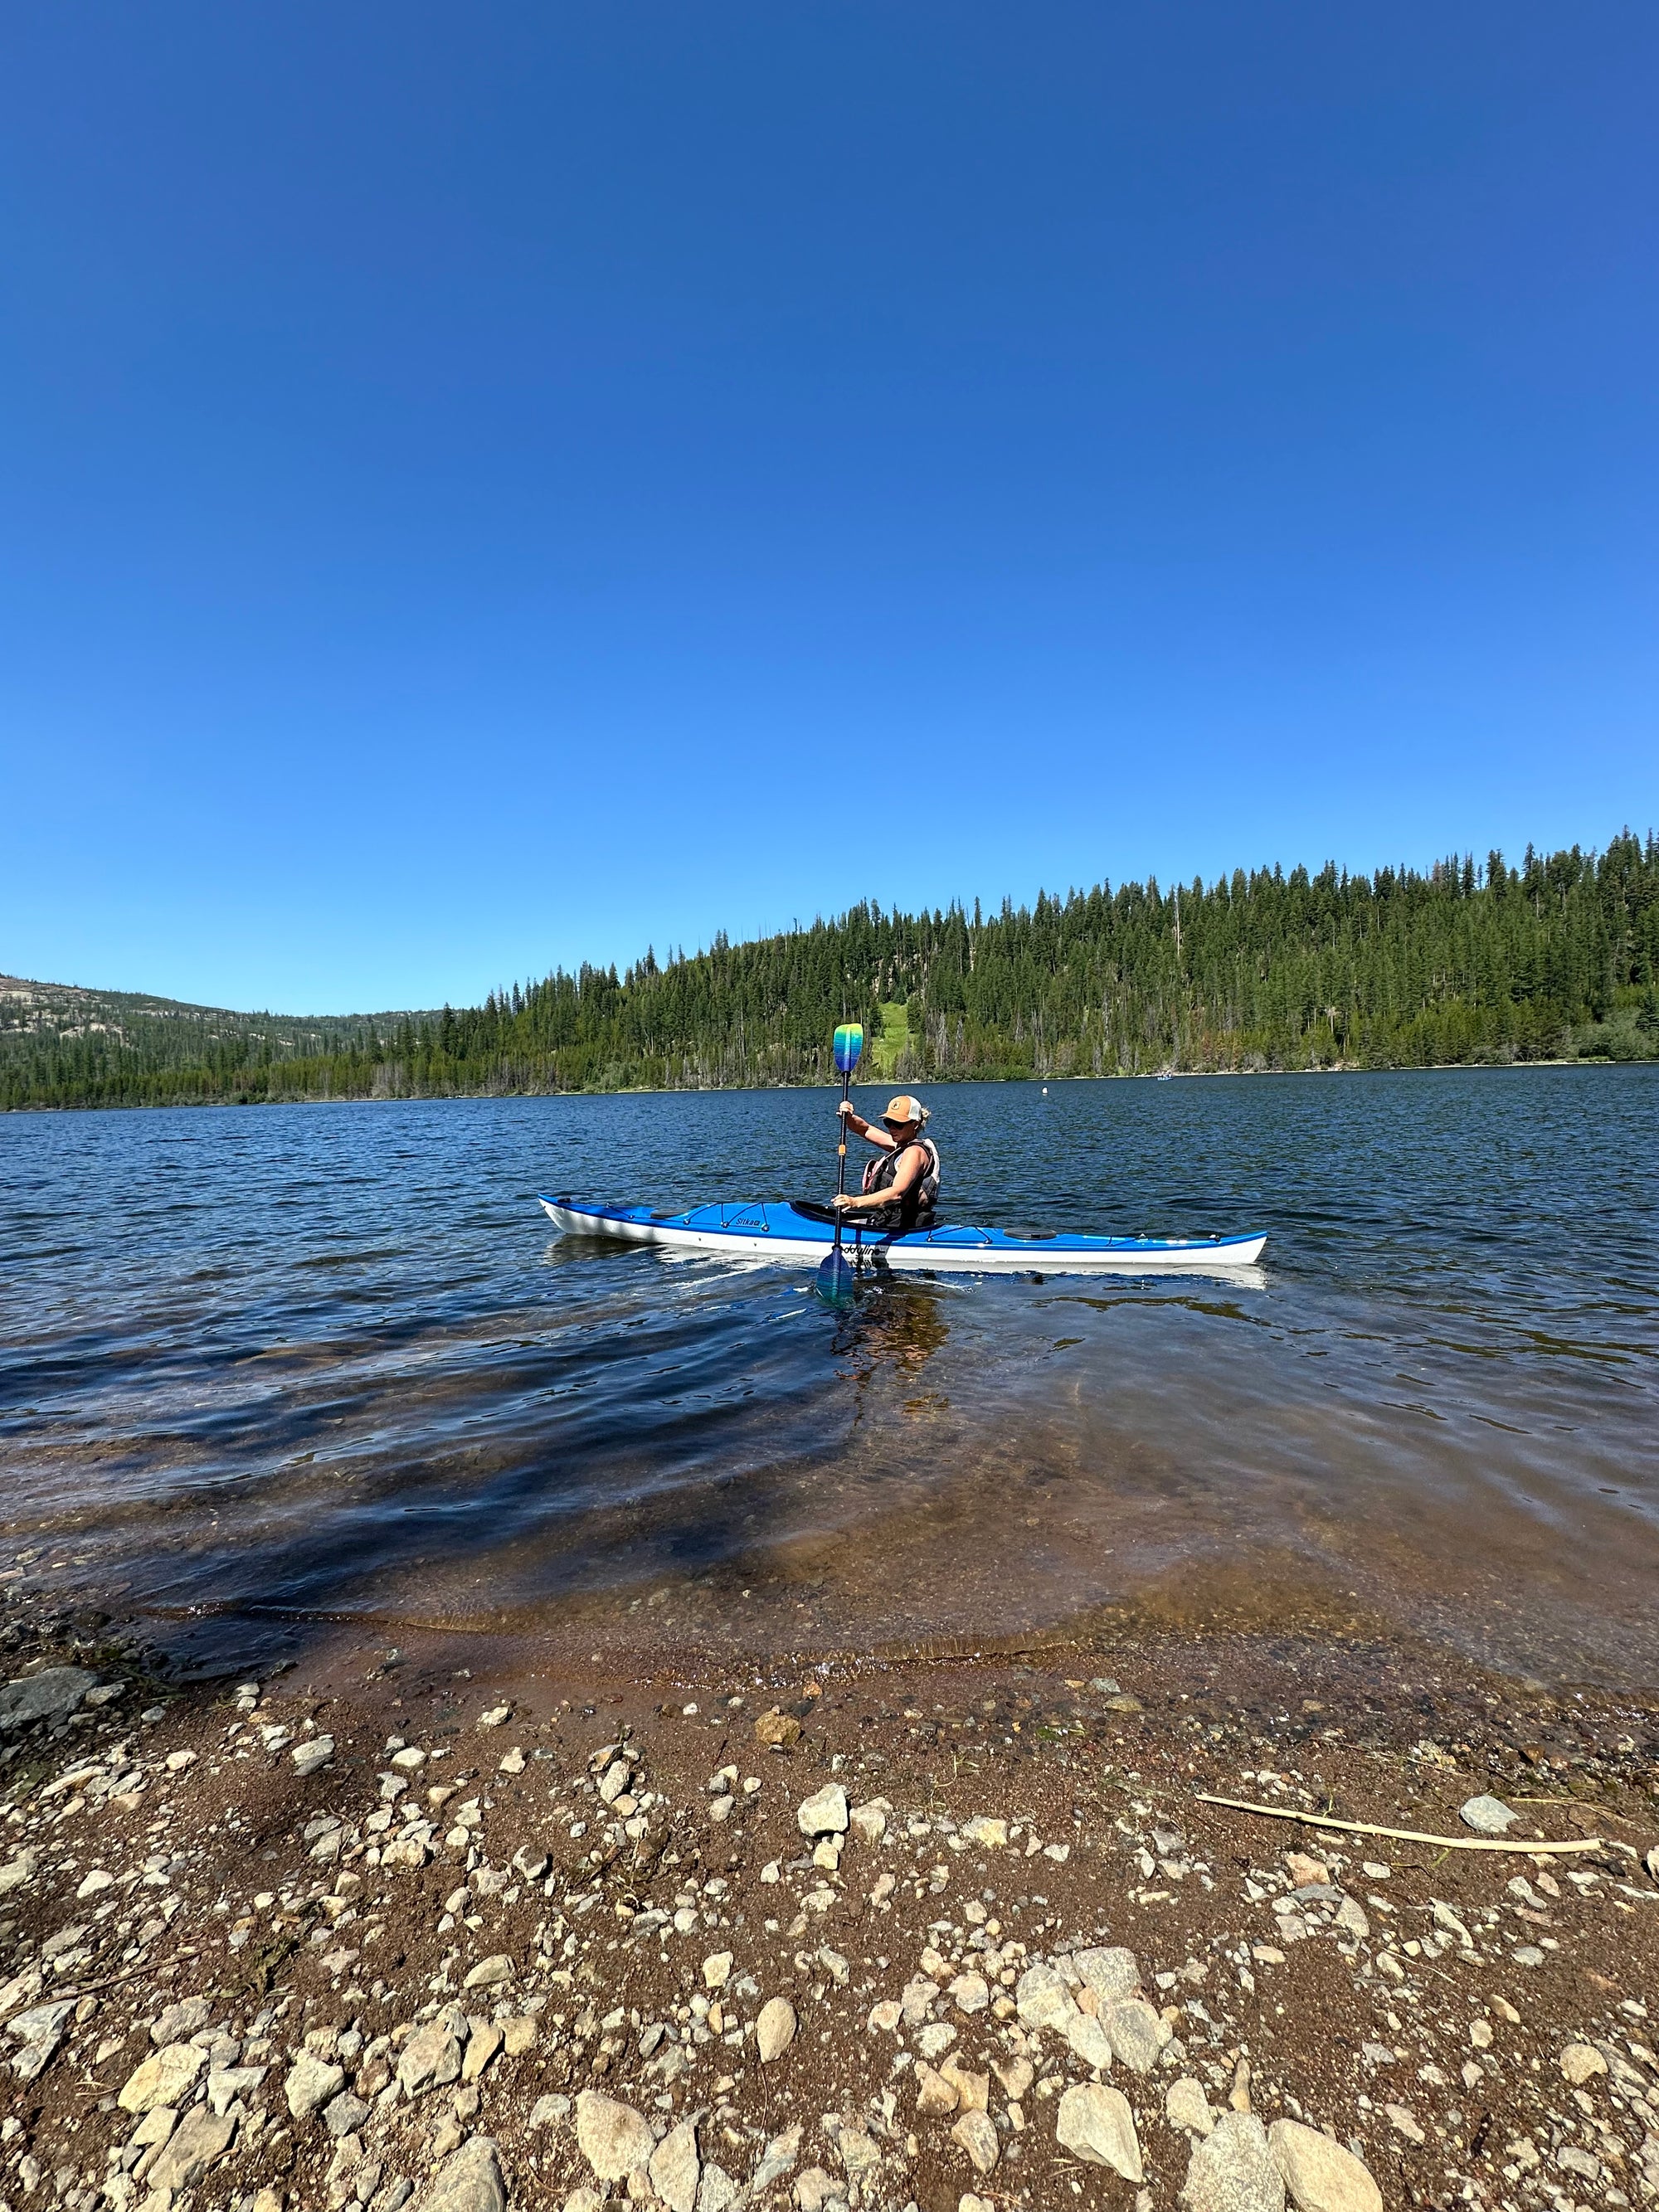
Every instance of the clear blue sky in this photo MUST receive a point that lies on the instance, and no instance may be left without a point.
(488, 487)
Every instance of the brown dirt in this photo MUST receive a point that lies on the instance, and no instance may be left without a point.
(1322, 2029)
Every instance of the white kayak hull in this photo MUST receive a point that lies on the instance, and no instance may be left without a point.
(776, 1232)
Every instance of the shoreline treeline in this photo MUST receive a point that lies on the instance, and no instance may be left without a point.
(1467, 963)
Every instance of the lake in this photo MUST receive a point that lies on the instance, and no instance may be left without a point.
(272, 1367)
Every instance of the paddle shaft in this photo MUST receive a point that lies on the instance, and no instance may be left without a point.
(841, 1156)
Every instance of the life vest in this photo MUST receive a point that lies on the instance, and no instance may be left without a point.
(913, 1207)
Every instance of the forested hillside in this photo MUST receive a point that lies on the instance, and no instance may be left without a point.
(1556, 958)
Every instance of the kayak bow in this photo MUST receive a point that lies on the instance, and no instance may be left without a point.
(780, 1233)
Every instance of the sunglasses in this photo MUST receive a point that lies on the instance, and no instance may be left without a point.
(888, 1122)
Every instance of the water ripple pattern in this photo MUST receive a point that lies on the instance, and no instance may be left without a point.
(282, 1364)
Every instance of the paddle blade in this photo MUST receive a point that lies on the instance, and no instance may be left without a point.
(849, 1045)
(836, 1284)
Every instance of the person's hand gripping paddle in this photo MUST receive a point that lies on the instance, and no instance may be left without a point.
(835, 1274)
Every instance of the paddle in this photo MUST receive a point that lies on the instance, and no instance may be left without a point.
(834, 1275)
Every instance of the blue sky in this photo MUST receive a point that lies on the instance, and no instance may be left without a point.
(483, 489)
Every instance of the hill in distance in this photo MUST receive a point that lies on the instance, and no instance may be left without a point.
(1557, 959)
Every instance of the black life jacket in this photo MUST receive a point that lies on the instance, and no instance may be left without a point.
(913, 1208)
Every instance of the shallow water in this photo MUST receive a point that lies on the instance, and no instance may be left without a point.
(266, 1367)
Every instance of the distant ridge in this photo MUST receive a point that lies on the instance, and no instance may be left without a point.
(1555, 958)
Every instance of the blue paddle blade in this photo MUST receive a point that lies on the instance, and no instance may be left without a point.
(849, 1044)
(835, 1284)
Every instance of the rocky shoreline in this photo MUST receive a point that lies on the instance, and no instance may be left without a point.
(401, 1928)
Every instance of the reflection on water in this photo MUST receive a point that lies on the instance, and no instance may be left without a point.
(272, 1365)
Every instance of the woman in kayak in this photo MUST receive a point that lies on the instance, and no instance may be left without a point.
(901, 1186)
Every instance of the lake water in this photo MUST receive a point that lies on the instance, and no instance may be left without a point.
(270, 1367)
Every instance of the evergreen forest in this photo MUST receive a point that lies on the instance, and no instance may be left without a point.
(1556, 957)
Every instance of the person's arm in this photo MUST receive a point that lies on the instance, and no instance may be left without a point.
(869, 1131)
(910, 1169)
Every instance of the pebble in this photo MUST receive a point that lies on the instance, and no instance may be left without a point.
(1185, 2106)
(469, 2180)
(676, 2168)
(1487, 1816)
(1581, 2062)
(310, 2081)
(774, 2029)
(1096, 2124)
(935, 2096)
(163, 2079)
(199, 2141)
(717, 1970)
(716, 2190)
(181, 2020)
(612, 2138)
(1304, 1870)
(975, 2135)
(313, 1755)
(1043, 1999)
(779, 2159)
(489, 1973)
(1135, 2032)
(482, 2044)
(1232, 2170)
(1109, 1971)
(430, 2059)
(1320, 2175)
(1090, 2041)
(971, 1993)
(991, 1835)
(823, 1813)
(869, 1820)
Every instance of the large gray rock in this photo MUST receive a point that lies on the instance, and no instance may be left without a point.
(1088, 2040)
(612, 2138)
(1043, 1999)
(1320, 2175)
(1109, 1971)
(200, 2139)
(163, 2079)
(430, 2060)
(51, 1695)
(1094, 2123)
(310, 2081)
(1232, 2170)
(976, 2135)
(716, 2190)
(1185, 2106)
(676, 2168)
(469, 2180)
(181, 2020)
(1136, 2031)
(778, 2160)
(40, 2030)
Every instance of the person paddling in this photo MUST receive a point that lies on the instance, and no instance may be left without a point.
(901, 1186)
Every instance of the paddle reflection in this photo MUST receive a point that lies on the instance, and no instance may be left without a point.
(896, 1325)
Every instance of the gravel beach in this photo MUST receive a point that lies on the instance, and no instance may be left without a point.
(431, 1927)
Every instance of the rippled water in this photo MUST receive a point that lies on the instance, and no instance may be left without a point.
(262, 1367)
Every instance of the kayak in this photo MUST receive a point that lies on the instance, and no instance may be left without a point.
(784, 1234)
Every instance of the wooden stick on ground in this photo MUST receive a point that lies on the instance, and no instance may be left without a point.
(1400, 1835)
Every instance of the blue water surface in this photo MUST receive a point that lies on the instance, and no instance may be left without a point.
(276, 1365)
